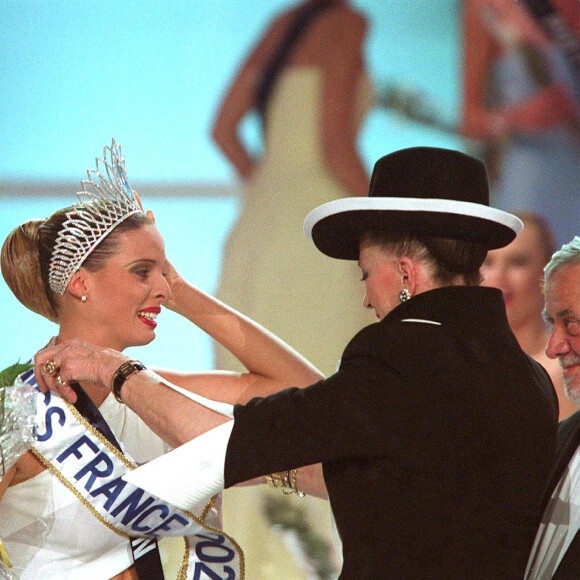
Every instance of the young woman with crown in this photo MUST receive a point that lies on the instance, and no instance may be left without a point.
(98, 269)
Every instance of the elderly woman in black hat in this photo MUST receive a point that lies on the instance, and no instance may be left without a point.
(436, 434)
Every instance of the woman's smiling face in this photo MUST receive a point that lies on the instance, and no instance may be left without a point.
(125, 294)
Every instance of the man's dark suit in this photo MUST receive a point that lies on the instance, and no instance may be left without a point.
(568, 442)
(437, 435)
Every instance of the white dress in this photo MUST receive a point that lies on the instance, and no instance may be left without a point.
(49, 534)
(271, 271)
(539, 171)
(274, 274)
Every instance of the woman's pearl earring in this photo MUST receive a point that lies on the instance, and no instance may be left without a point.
(83, 298)
(404, 295)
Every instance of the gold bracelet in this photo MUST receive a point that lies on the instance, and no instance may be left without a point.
(286, 480)
(4, 556)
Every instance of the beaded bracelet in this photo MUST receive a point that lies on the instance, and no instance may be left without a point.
(286, 480)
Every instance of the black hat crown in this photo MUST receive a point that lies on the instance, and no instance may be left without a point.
(421, 191)
(430, 172)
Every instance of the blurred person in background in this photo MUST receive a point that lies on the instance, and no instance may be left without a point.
(517, 270)
(306, 78)
(521, 95)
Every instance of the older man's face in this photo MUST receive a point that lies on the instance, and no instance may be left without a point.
(562, 312)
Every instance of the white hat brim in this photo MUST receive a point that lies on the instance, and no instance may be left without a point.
(335, 227)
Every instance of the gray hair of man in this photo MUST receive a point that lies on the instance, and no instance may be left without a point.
(567, 255)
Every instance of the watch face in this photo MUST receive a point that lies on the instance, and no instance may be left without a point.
(122, 374)
(131, 367)
(128, 369)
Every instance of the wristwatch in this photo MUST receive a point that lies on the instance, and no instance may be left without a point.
(122, 374)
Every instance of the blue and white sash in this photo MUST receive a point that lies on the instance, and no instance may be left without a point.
(91, 467)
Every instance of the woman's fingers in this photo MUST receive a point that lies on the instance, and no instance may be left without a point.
(75, 361)
(48, 372)
(45, 367)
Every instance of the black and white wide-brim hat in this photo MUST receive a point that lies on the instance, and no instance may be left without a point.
(423, 191)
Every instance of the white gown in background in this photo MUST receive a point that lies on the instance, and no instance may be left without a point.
(273, 273)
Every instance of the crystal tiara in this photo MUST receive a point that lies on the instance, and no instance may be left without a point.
(104, 202)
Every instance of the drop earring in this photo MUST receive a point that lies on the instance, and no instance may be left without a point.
(404, 295)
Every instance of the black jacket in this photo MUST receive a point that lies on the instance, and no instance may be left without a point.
(436, 435)
(568, 441)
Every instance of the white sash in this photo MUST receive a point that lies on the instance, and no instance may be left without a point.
(91, 467)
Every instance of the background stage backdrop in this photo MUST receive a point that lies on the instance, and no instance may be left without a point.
(151, 74)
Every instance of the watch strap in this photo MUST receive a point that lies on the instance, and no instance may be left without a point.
(122, 374)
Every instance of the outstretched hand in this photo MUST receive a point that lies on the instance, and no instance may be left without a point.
(75, 361)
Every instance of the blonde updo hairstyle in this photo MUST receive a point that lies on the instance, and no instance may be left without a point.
(26, 253)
